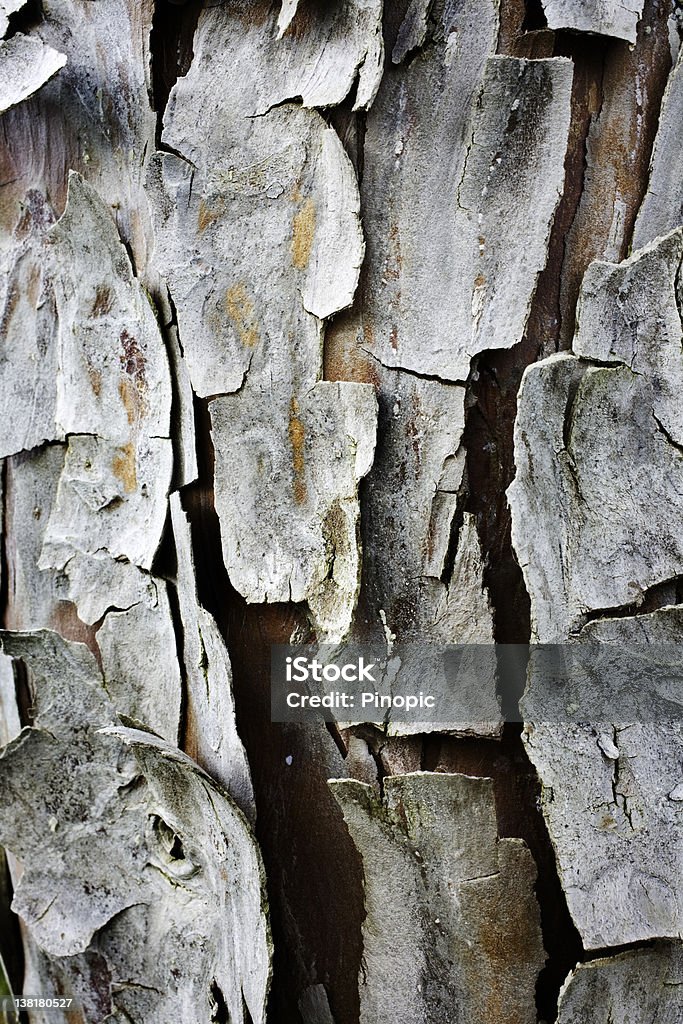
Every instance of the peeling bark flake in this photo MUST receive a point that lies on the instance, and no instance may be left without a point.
(452, 929)
(463, 169)
(662, 208)
(617, 834)
(617, 18)
(211, 732)
(639, 985)
(298, 539)
(575, 508)
(186, 861)
(26, 64)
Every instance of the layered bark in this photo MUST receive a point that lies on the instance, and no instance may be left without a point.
(261, 351)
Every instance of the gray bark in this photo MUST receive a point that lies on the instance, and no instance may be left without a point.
(328, 321)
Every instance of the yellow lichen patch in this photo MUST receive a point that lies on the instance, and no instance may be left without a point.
(133, 402)
(33, 288)
(297, 437)
(207, 216)
(242, 314)
(125, 468)
(95, 378)
(303, 231)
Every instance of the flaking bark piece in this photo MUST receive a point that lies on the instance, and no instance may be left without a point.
(322, 53)
(452, 926)
(26, 64)
(312, 52)
(257, 244)
(424, 579)
(662, 208)
(136, 637)
(28, 330)
(629, 313)
(609, 788)
(210, 731)
(635, 986)
(113, 375)
(94, 116)
(575, 507)
(10, 724)
(98, 584)
(447, 208)
(183, 431)
(258, 232)
(617, 18)
(412, 31)
(289, 506)
(206, 848)
(462, 616)
(32, 481)
(105, 382)
(187, 865)
(109, 497)
(140, 663)
(61, 813)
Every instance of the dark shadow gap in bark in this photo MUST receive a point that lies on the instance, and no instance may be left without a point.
(26, 19)
(23, 694)
(11, 946)
(660, 595)
(171, 40)
(517, 794)
(534, 17)
(626, 98)
(588, 55)
(219, 1010)
(4, 556)
(313, 871)
(491, 409)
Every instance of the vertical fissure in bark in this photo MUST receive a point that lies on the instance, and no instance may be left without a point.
(316, 926)
(171, 46)
(616, 100)
(518, 810)
(491, 409)
(11, 946)
(4, 559)
(588, 58)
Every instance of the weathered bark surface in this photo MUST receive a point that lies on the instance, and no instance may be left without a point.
(635, 986)
(452, 927)
(293, 295)
(617, 18)
(25, 65)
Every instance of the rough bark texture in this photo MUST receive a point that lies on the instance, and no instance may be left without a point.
(325, 321)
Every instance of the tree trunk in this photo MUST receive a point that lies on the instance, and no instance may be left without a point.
(323, 323)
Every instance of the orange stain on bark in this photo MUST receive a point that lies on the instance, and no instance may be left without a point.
(303, 232)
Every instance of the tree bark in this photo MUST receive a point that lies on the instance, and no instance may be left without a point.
(331, 322)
